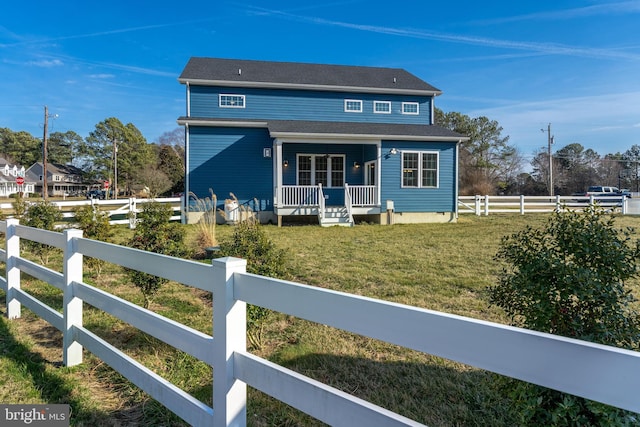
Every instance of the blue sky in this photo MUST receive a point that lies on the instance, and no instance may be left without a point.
(574, 64)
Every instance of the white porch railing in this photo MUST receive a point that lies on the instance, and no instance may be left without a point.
(308, 195)
(298, 196)
(602, 373)
(364, 195)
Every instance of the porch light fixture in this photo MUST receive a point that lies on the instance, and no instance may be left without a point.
(356, 165)
(285, 163)
(393, 151)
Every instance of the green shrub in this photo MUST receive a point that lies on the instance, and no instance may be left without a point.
(250, 242)
(95, 225)
(19, 205)
(568, 279)
(43, 215)
(154, 233)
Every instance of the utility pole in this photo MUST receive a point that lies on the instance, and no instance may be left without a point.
(549, 142)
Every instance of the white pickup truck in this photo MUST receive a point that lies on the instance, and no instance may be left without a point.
(605, 191)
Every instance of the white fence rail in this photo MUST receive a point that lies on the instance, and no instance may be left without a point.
(606, 374)
(484, 205)
(121, 211)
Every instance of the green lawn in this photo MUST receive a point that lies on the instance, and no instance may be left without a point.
(442, 267)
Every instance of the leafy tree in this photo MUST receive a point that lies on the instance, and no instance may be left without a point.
(575, 168)
(631, 162)
(43, 215)
(62, 145)
(487, 162)
(20, 148)
(95, 225)
(98, 152)
(568, 278)
(171, 163)
(154, 233)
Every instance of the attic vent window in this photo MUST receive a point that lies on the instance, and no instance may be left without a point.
(231, 101)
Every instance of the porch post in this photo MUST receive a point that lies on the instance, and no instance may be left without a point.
(278, 177)
(379, 174)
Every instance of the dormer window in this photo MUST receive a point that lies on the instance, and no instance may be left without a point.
(231, 101)
(353, 105)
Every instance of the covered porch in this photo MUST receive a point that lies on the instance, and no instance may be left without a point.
(333, 179)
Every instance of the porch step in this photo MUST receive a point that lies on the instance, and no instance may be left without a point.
(336, 215)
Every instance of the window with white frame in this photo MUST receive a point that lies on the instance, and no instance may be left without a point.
(353, 105)
(420, 169)
(314, 169)
(382, 107)
(410, 108)
(231, 101)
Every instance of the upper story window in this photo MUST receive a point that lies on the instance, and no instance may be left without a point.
(231, 101)
(383, 107)
(410, 108)
(353, 105)
(420, 169)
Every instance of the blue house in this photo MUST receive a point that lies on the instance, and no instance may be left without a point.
(332, 141)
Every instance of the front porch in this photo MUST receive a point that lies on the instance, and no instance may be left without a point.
(311, 200)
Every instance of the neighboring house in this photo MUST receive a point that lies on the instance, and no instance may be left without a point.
(61, 179)
(309, 139)
(10, 178)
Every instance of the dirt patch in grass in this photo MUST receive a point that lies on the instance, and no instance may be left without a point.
(103, 404)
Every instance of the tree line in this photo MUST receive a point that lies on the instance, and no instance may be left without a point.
(489, 163)
(112, 145)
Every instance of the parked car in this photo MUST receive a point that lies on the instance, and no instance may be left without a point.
(96, 194)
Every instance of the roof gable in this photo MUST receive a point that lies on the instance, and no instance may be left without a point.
(249, 73)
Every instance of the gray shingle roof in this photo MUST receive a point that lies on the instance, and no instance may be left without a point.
(386, 130)
(281, 128)
(241, 72)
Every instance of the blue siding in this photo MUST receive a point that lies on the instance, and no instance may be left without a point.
(304, 105)
(441, 199)
(229, 160)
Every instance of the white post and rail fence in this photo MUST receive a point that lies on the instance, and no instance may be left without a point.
(602, 373)
(485, 205)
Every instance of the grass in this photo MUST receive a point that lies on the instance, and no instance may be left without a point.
(443, 267)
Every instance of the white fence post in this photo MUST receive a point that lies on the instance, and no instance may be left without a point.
(13, 273)
(558, 204)
(133, 215)
(522, 204)
(72, 305)
(478, 211)
(486, 205)
(229, 336)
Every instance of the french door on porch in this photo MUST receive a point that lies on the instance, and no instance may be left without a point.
(314, 169)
